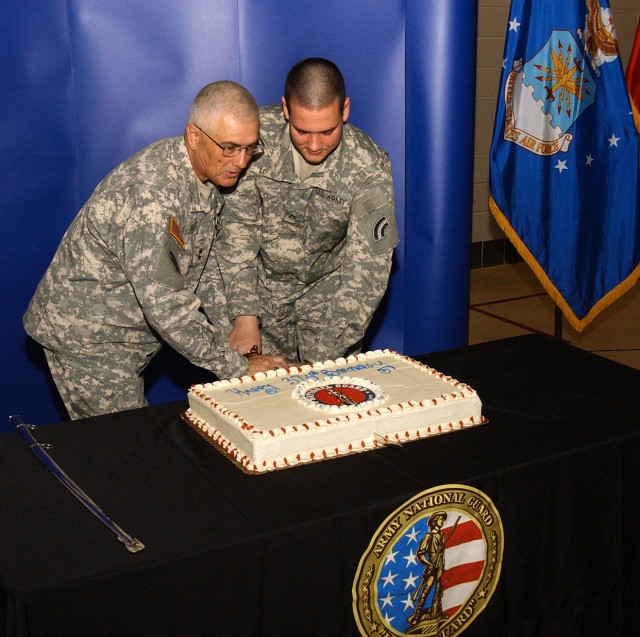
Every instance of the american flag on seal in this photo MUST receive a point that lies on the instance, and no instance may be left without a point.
(400, 581)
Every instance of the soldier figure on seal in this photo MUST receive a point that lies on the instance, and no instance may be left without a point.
(431, 554)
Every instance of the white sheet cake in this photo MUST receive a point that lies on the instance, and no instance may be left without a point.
(314, 412)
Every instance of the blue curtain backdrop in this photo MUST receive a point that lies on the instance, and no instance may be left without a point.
(86, 83)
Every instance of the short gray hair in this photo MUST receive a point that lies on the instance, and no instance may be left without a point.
(223, 98)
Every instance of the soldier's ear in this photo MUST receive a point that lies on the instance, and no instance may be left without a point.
(345, 110)
(285, 110)
(191, 136)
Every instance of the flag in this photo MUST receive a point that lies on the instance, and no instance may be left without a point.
(564, 155)
(633, 78)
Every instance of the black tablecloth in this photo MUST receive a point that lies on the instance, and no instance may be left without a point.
(234, 554)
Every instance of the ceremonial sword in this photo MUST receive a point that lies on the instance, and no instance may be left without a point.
(133, 545)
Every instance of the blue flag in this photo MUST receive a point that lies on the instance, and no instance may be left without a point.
(564, 155)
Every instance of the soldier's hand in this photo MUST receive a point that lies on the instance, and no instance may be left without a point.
(259, 363)
(245, 336)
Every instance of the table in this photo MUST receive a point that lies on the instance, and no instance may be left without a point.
(235, 554)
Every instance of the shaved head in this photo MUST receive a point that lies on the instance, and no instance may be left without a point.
(314, 83)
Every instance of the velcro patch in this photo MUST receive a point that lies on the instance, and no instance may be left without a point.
(167, 271)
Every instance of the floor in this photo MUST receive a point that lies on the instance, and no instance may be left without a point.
(508, 300)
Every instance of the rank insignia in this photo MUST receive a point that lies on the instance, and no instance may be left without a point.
(175, 232)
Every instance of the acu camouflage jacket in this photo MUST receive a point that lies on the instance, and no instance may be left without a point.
(130, 270)
(280, 236)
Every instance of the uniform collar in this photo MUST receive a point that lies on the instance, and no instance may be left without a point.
(204, 197)
(278, 163)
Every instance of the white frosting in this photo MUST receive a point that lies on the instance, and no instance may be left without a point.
(260, 425)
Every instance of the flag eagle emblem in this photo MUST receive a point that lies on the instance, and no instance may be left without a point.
(546, 95)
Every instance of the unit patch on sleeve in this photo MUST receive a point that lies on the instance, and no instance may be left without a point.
(375, 219)
(432, 566)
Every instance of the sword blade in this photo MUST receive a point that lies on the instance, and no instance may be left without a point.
(132, 544)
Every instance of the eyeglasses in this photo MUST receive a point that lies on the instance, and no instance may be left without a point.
(231, 150)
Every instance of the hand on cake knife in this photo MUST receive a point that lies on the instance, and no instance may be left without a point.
(133, 545)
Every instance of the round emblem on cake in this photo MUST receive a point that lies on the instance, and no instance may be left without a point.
(339, 394)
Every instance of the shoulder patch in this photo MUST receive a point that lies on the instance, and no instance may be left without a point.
(176, 232)
(376, 221)
(432, 566)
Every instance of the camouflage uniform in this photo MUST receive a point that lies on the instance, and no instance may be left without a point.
(128, 275)
(311, 258)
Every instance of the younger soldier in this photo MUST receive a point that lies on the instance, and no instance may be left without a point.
(307, 237)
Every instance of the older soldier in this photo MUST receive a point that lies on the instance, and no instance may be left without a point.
(130, 271)
(307, 237)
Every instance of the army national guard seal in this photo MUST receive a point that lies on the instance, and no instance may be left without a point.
(431, 567)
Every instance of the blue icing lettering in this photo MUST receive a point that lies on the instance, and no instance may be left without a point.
(299, 378)
(382, 367)
(332, 373)
(258, 389)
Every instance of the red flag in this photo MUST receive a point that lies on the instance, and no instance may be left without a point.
(632, 78)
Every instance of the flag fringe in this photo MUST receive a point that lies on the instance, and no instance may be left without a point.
(636, 113)
(575, 322)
